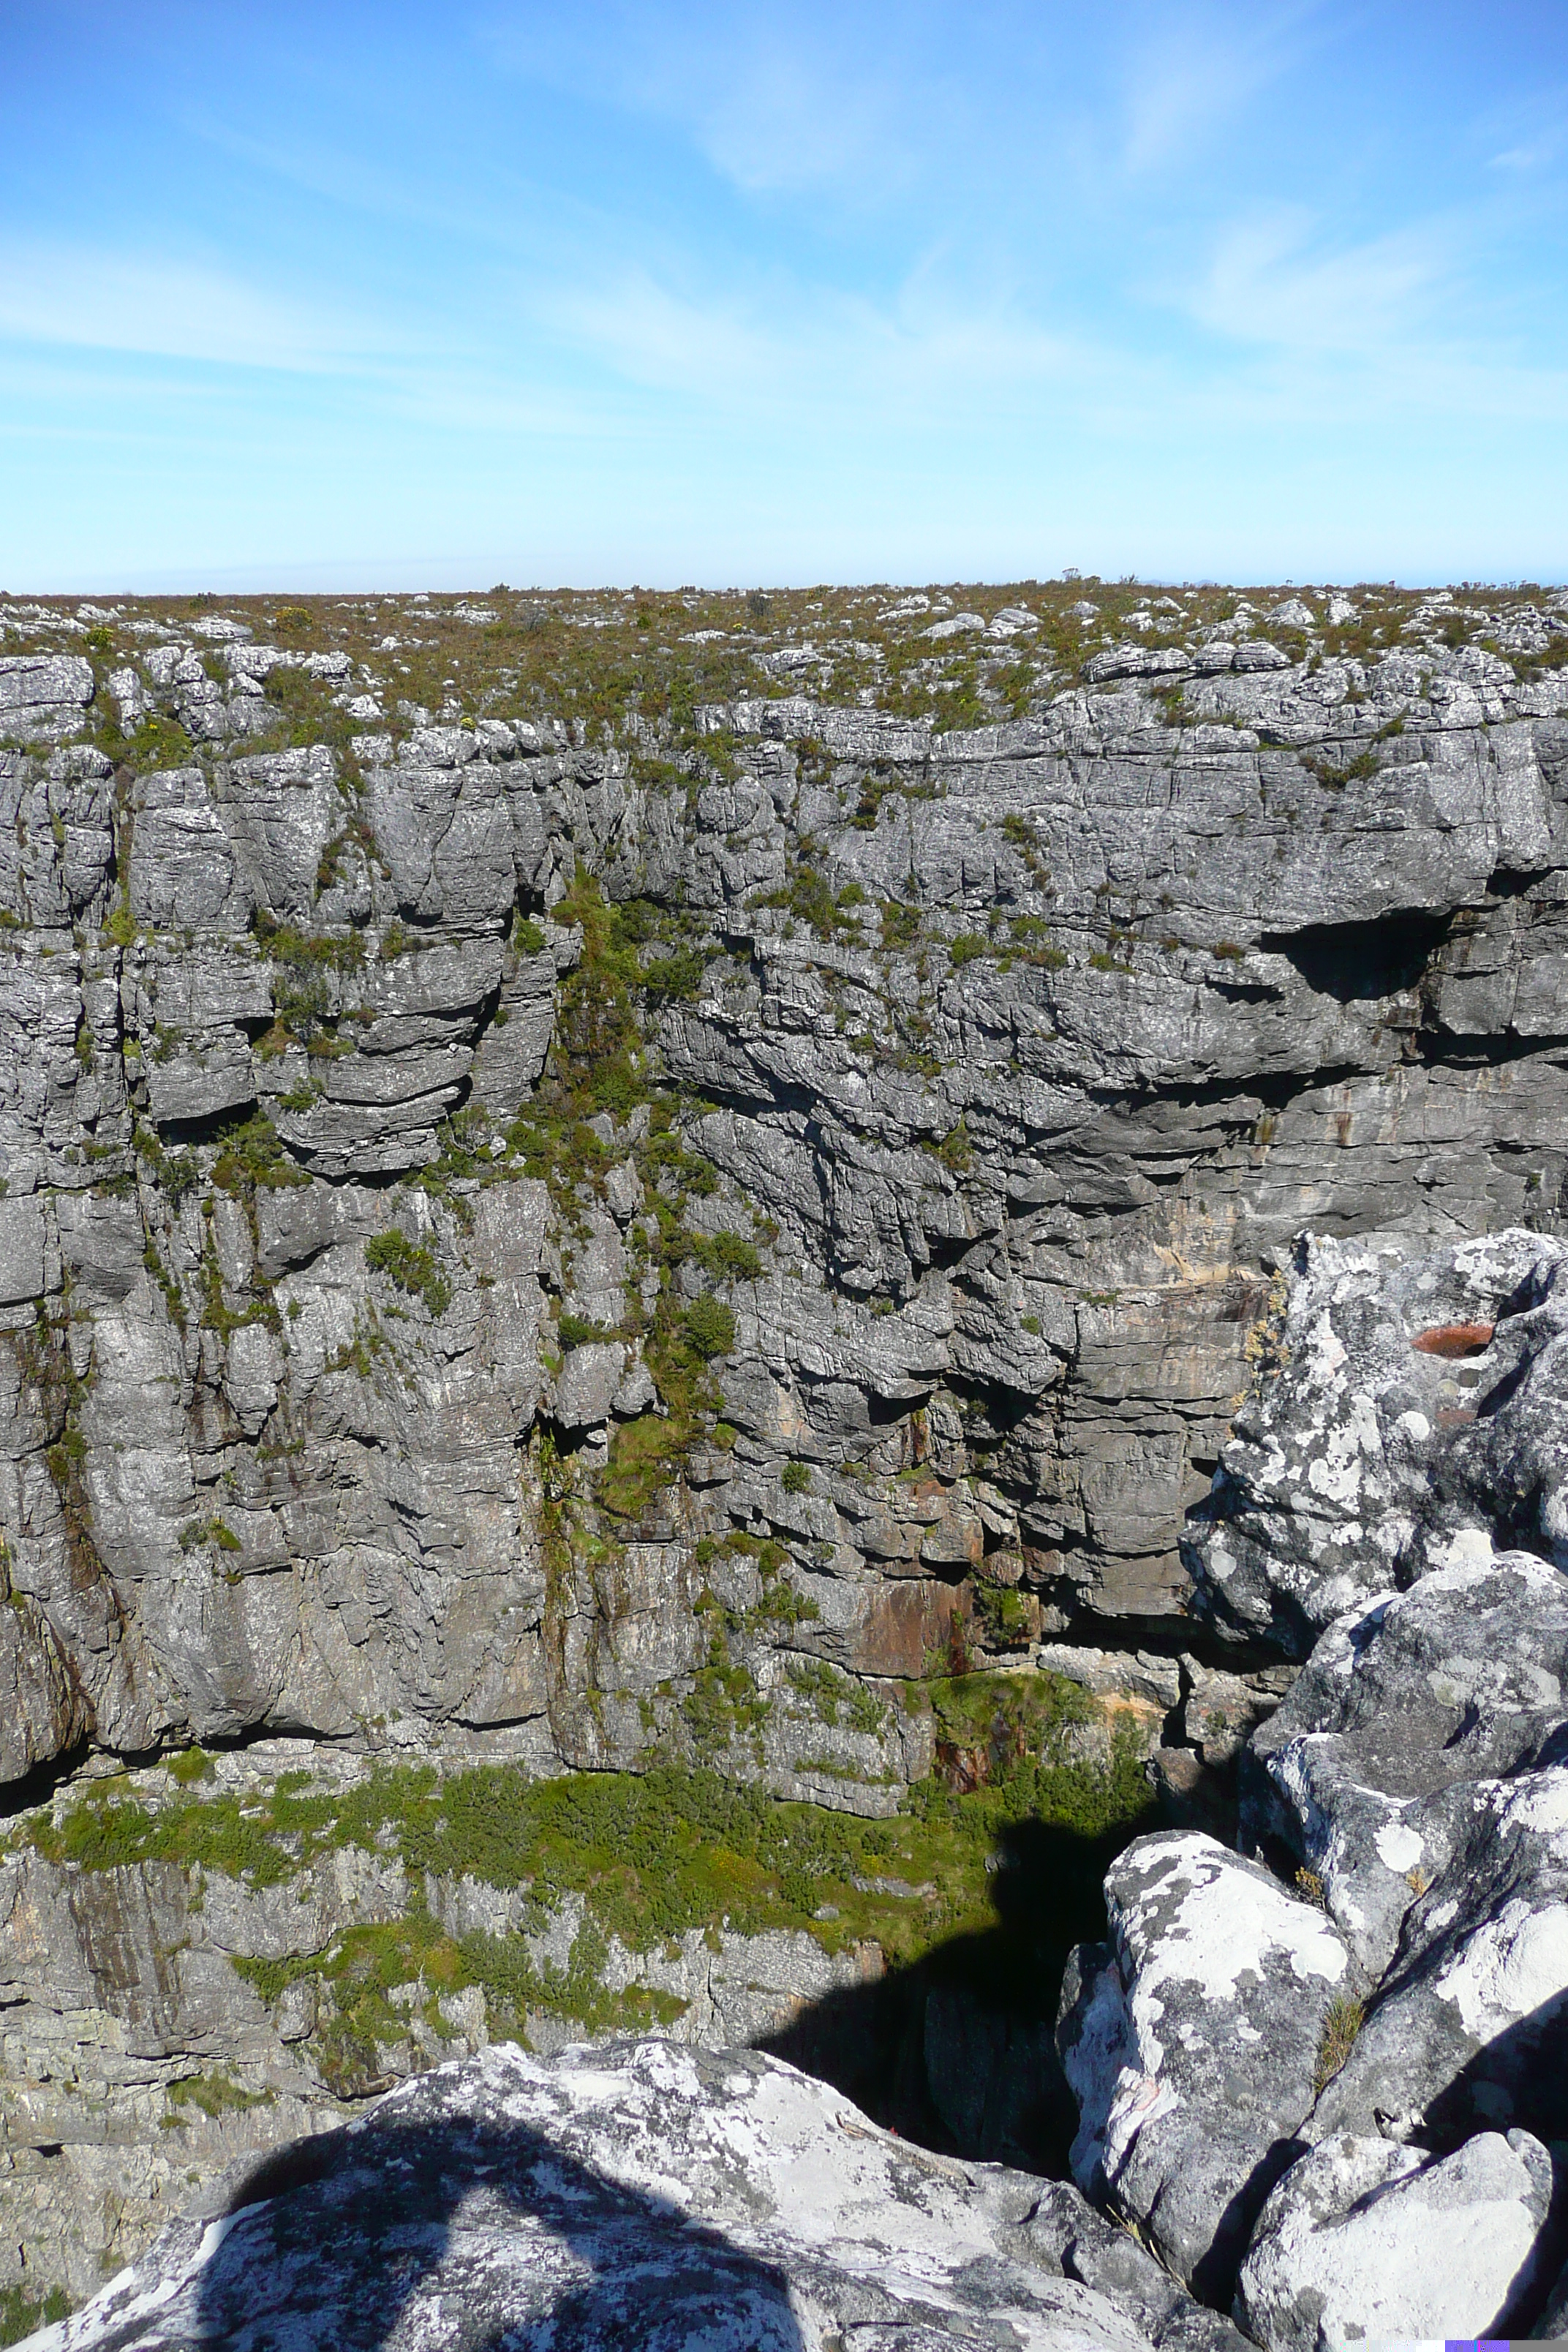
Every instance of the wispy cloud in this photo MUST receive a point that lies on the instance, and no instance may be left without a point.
(87, 296)
(1266, 284)
(1528, 139)
(778, 101)
(1395, 324)
(1191, 75)
(807, 354)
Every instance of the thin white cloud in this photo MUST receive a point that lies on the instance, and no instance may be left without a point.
(787, 114)
(1393, 324)
(1527, 136)
(777, 100)
(85, 296)
(1196, 72)
(800, 352)
(1264, 284)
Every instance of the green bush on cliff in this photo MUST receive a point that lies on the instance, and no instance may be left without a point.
(410, 1266)
(655, 1854)
(20, 2316)
(727, 1257)
(709, 1329)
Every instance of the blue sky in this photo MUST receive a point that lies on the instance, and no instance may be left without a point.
(385, 294)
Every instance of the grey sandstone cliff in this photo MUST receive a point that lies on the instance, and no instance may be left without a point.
(1018, 1209)
(596, 1248)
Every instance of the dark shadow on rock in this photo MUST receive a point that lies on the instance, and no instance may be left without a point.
(1356, 961)
(1194, 1795)
(1518, 2081)
(1215, 2274)
(958, 2051)
(330, 2240)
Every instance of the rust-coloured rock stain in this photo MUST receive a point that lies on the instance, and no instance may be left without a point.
(1455, 1339)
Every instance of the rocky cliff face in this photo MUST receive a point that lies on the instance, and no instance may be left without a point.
(665, 1205)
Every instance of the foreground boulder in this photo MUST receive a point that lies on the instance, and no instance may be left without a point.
(1191, 2042)
(1366, 2239)
(1393, 1504)
(1471, 2028)
(1411, 1772)
(1416, 1779)
(633, 2197)
(1364, 1774)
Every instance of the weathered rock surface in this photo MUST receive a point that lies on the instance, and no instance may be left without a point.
(1366, 2239)
(1014, 1209)
(1412, 1786)
(1016, 1202)
(629, 2197)
(43, 695)
(1190, 2043)
(1370, 1767)
(1416, 1413)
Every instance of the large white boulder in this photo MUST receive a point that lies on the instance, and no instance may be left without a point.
(1366, 2239)
(1192, 2046)
(633, 2198)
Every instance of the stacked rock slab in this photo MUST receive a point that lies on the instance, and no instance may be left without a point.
(1410, 1797)
(632, 2199)
(1190, 2043)
(1011, 1209)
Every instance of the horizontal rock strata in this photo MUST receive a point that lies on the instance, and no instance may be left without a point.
(601, 1187)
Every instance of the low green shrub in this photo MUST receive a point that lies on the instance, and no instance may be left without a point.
(21, 2316)
(216, 2095)
(727, 1257)
(670, 978)
(579, 1331)
(410, 1266)
(709, 1329)
(1342, 2023)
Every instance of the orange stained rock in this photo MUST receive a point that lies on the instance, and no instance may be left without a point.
(1455, 1339)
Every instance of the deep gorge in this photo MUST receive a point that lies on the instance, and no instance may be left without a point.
(632, 1231)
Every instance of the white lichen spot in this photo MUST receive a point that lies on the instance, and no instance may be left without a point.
(1467, 1548)
(1538, 1802)
(1513, 1964)
(1398, 1849)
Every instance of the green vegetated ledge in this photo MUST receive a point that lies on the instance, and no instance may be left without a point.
(21, 2315)
(653, 1857)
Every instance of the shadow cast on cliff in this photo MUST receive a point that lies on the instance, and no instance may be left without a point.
(327, 2244)
(957, 2051)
